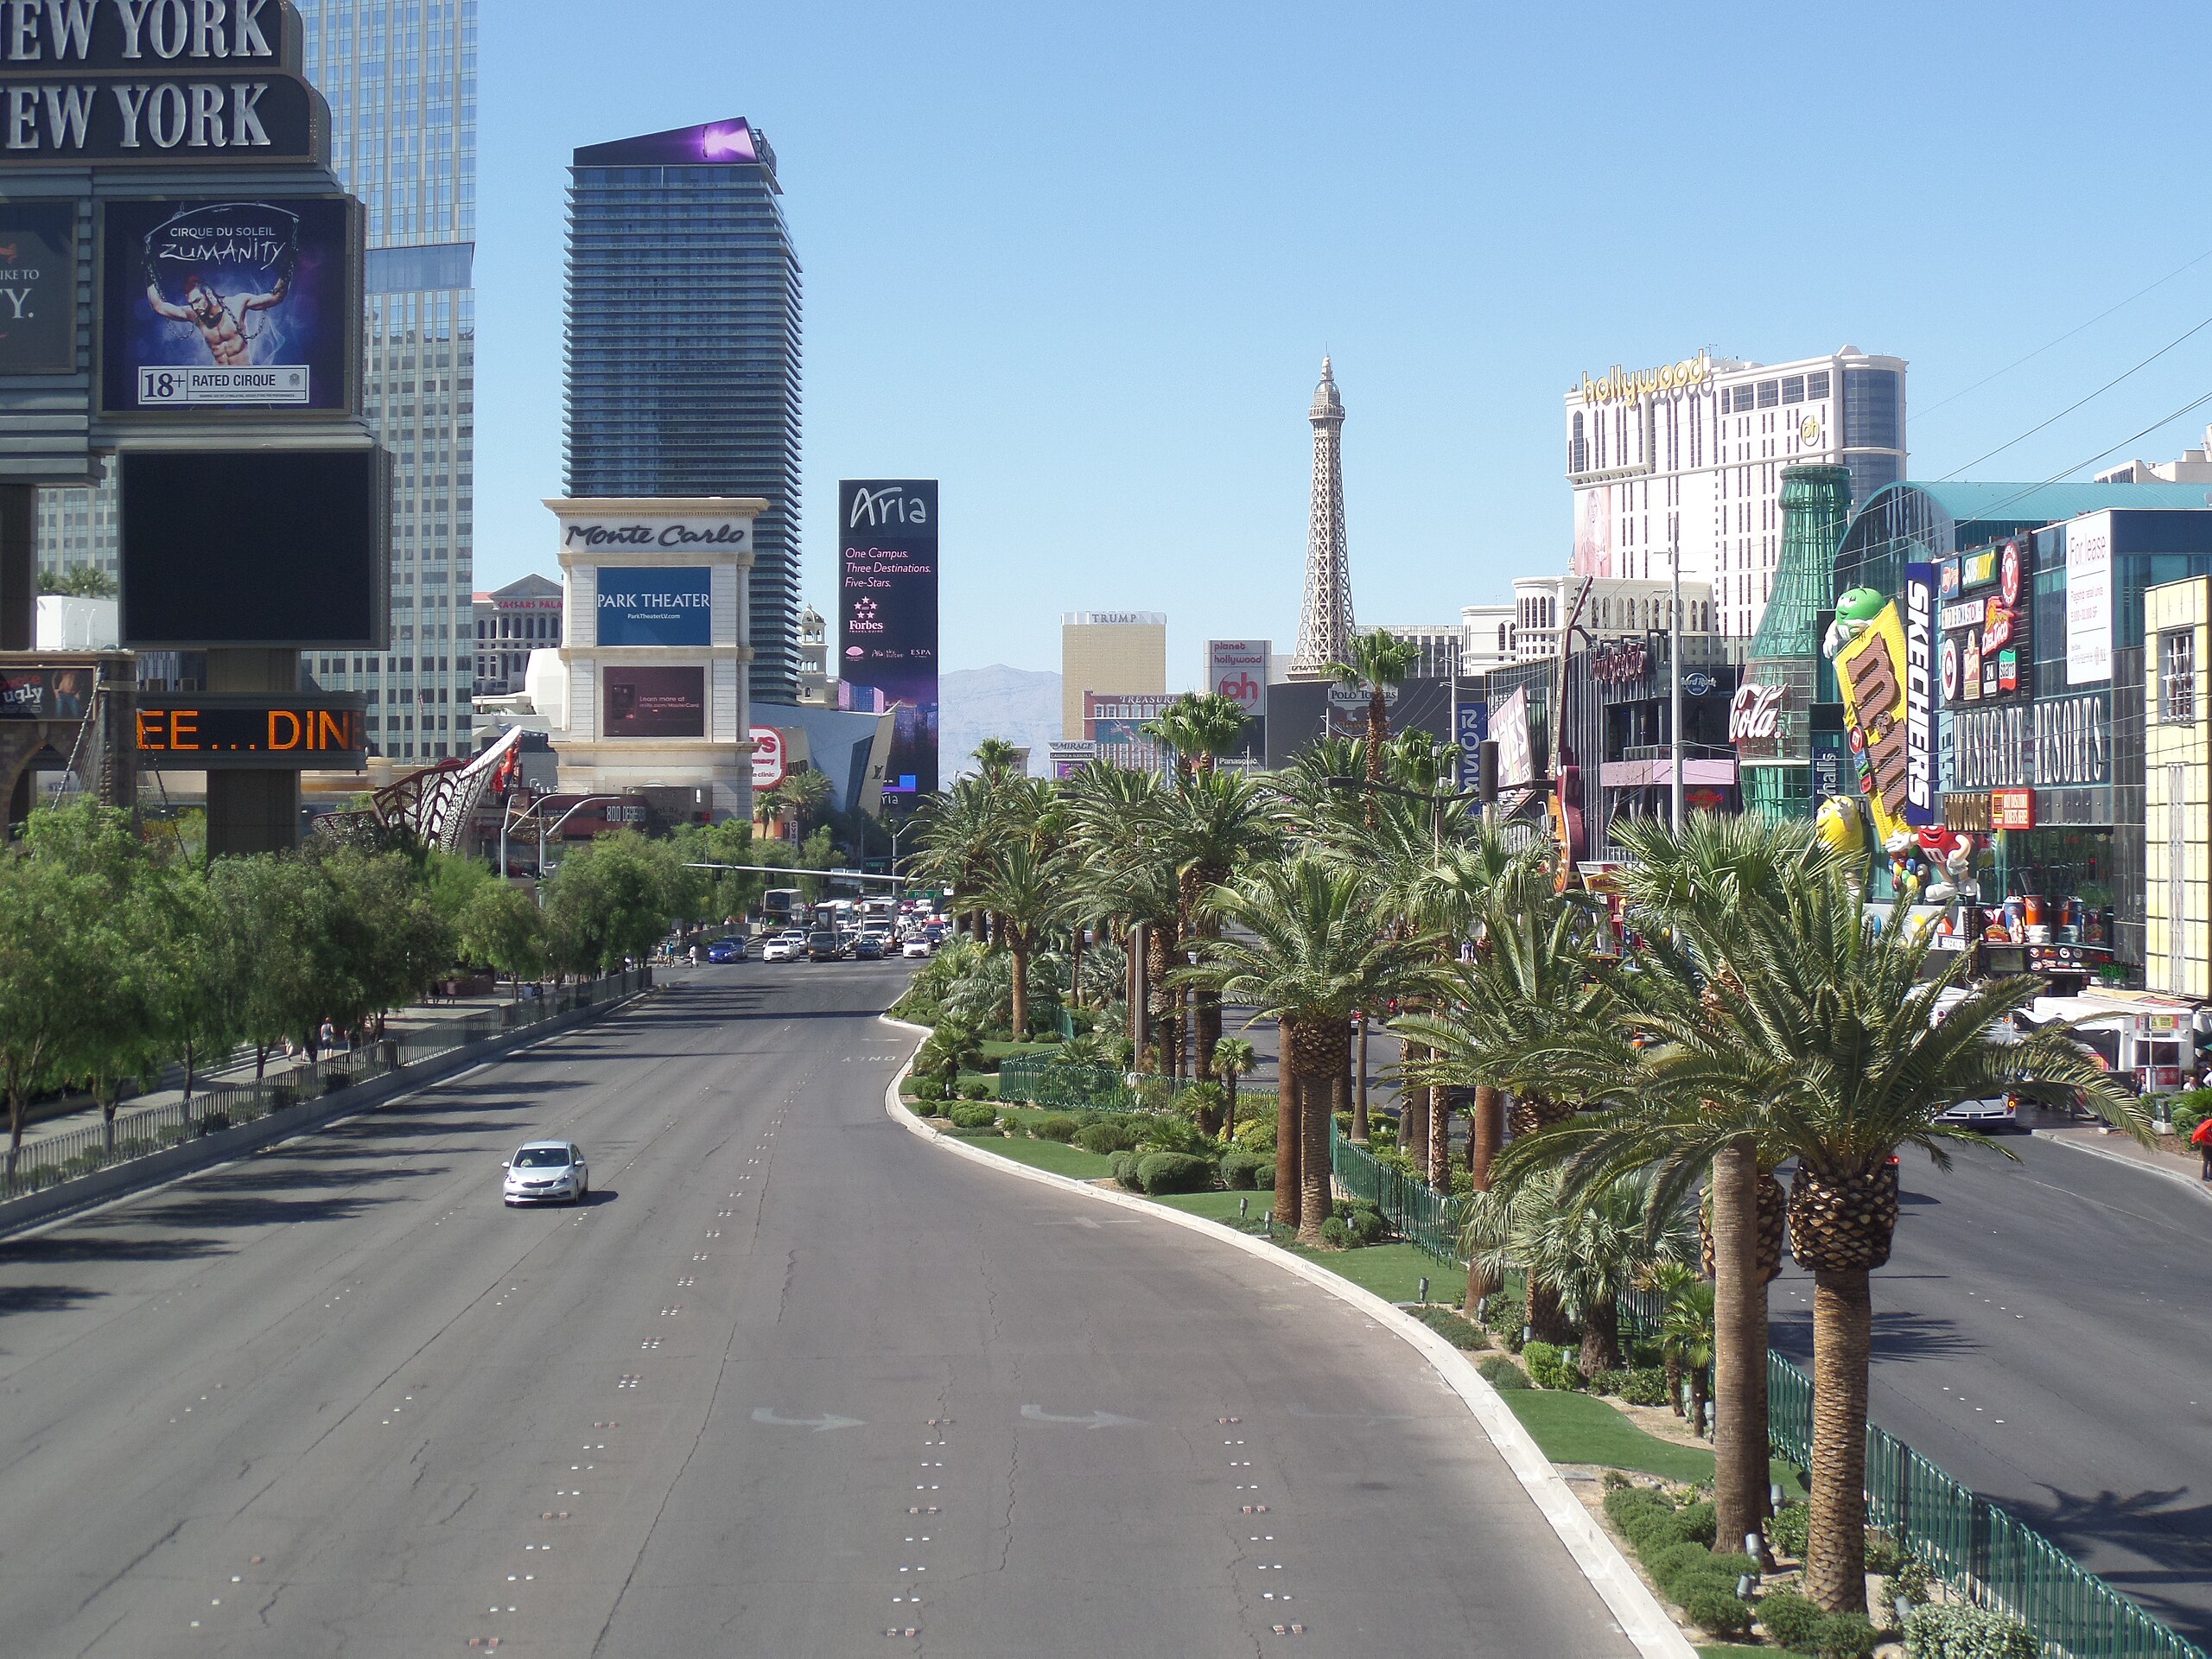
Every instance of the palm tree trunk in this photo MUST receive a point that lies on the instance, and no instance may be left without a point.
(1359, 1094)
(1316, 1200)
(1440, 1139)
(1485, 1138)
(1674, 1381)
(1205, 1025)
(1697, 1406)
(1412, 1121)
(1601, 1338)
(1229, 1108)
(1288, 1117)
(1075, 966)
(1378, 733)
(1019, 951)
(1547, 1321)
(1739, 1342)
(1843, 1326)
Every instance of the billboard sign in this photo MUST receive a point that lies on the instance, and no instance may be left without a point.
(1870, 671)
(229, 305)
(770, 757)
(1516, 761)
(624, 535)
(46, 693)
(887, 611)
(655, 605)
(38, 287)
(642, 701)
(1470, 730)
(282, 548)
(2088, 600)
(1238, 669)
(1922, 808)
(216, 732)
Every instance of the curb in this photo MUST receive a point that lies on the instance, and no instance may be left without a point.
(139, 1176)
(1634, 1608)
(2203, 1189)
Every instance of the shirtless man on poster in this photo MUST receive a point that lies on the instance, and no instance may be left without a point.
(221, 324)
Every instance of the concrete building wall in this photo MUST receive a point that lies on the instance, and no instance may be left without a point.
(2177, 792)
(1121, 652)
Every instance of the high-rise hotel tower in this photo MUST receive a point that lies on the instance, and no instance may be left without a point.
(683, 347)
(401, 78)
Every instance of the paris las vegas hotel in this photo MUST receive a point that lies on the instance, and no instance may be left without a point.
(1685, 460)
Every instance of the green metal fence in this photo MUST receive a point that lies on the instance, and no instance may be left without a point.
(1983, 1554)
(1041, 1082)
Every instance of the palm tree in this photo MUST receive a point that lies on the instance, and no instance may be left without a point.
(1685, 1337)
(1308, 954)
(996, 759)
(958, 828)
(1024, 892)
(1379, 661)
(1211, 725)
(1232, 1058)
(1208, 826)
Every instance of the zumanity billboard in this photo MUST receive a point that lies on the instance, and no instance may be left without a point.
(887, 616)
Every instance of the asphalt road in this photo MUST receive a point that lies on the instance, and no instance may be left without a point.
(794, 1382)
(2043, 1331)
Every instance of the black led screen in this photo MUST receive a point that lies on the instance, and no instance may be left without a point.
(255, 547)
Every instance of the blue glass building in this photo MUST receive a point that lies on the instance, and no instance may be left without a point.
(683, 347)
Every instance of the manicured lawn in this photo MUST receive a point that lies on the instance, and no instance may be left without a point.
(1000, 1051)
(1730, 1651)
(989, 1079)
(1044, 1154)
(1393, 1272)
(1582, 1428)
(1219, 1206)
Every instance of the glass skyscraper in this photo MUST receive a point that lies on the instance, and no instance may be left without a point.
(401, 78)
(683, 346)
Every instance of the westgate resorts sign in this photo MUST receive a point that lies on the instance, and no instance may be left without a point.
(155, 80)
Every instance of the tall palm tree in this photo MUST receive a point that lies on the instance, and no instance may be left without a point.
(1209, 826)
(995, 758)
(1212, 726)
(1232, 1058)
(1379, 661)
(1307, 952)
(1025, 891)
(958, 828)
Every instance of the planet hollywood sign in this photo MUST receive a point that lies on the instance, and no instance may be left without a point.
(1626, 385)
(85, 80)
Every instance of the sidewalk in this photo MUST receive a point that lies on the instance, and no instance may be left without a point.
(2110, 1143)
(420, 1017)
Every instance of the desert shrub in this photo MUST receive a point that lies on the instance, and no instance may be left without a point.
(1550, 1367)
(1644, 1385)
(1336, 1234)
(1956, 1631)
(1788, 1531)
(1502, 1373)
(1882, 1552)
(928, 1088)
(1115, 1131)
(977, 1090)
(1447, 1324)
(1255, 1131)
(1165, 1131)
(1849, 1635)
(1698, 1521)
(1624, 1501)
(928, 1106)
(973, 1117)
(1174, 1171)
(1791, 1620)
(1910, 1582)
(1679, 1564)
(1240, 1172)
(1056, 1126)
(1719, 1613)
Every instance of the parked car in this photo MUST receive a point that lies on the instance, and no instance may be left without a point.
(915, 946)
(727, 951)
(546, 1172)
(824, 945)
(868, 948)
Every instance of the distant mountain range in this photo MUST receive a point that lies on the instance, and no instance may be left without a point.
(1017, 704)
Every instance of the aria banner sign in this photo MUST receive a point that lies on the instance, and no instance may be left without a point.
(155, 80)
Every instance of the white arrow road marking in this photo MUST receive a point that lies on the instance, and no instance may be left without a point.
(764, 1415)
(1097, 1419)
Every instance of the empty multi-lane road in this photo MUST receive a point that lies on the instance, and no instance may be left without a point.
(793, 1382)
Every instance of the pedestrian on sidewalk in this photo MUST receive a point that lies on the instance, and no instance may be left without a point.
(2202, 1139)
(327, 1039)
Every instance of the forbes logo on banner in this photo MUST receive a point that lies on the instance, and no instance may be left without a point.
(641, 605)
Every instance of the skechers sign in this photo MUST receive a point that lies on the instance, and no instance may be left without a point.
(1921, 806)
(155, 80)
(643, 605)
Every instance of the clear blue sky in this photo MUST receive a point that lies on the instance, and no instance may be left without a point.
(1081, 263)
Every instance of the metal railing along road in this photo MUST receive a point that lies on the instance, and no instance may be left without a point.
(140, 1132)
(1983, 1554)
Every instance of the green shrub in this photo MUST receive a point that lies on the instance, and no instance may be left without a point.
(1550, 1367)
(1056, 1126)
(1910, 1582)
(1255, 1131)
(1115, 1131)
(1264, 1177)
(1955, 1631)
(1677, 1564)
(928, 1088)
(977, 1090)
(1367, 1224)
(1174, 1171)
(973, 1117)
(929, 1106)
(1849, 1635)
(1122, 1166)
(1502, 1373)
(2186, 1118)
(1719, 1613)
(1240, 1172)
(1644, 1385)
(1447, 1324)
(1625, 1500)
(1882, 1552)
(1791, 1620)
(1164, 1132)
(1698, 1519)
(1336, 1234)
(1790, 1531)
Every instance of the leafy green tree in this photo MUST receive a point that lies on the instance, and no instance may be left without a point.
(54, 914)
(503, 929)
(195, 1005)
(608, 901)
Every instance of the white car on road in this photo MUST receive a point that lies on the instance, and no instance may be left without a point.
(785, 947)
(547, 1172)
(917, 946)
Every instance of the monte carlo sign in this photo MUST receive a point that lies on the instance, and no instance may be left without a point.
(154, 80)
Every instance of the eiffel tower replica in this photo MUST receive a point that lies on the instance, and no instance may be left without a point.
(1325, 618)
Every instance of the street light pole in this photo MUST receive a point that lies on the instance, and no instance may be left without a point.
(554, 828)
